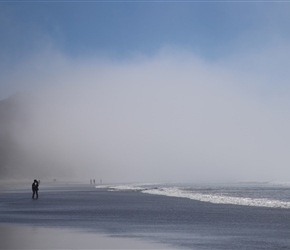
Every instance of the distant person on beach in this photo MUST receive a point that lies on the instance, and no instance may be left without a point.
(35, 185)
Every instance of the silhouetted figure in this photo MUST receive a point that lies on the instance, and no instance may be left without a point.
(35, 185)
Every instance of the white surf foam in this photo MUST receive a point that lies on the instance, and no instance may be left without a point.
(199, 196)
(121, 187)
(218, 199)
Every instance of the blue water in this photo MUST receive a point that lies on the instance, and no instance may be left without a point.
(185, 216)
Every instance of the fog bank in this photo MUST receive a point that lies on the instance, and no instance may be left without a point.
(170, 117)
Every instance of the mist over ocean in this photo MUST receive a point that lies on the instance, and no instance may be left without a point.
(179, 216)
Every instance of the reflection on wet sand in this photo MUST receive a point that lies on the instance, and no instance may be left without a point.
(30, 237)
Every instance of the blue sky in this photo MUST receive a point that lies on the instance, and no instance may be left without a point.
(212, 30)
(118, 30)
(178, 89)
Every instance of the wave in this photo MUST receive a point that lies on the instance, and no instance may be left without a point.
(121, 188)
(219, 199)
(200, 196)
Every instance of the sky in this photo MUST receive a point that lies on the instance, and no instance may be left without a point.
(179, 91)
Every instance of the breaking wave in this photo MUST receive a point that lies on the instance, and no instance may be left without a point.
(220, 199)
(204, 197)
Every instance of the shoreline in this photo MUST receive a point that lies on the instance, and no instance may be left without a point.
(20, 236)
(83, 217)
(15, 235)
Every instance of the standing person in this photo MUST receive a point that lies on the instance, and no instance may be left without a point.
(35, 185)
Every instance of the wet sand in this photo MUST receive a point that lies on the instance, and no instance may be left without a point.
(32, 237)
(16, 236)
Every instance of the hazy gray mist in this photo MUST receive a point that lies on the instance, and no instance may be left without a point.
(171, 117)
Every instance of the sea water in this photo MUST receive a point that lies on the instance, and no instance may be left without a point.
(182, 216)
(246, 194)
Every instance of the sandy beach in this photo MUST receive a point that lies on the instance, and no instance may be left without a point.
(86, 217)
(31, 237)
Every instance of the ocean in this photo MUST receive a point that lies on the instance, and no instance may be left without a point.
(179, 216)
